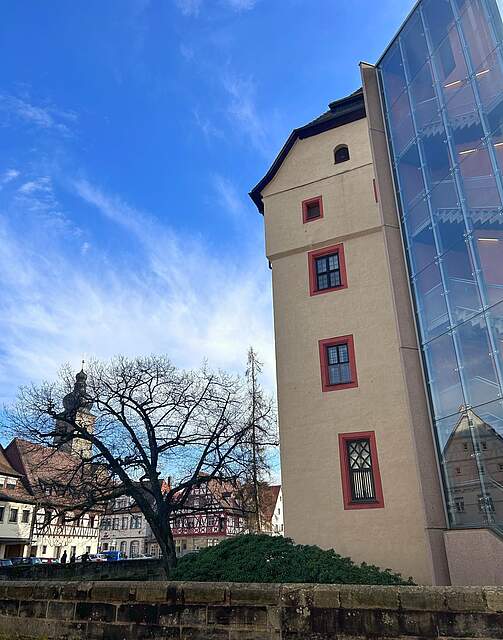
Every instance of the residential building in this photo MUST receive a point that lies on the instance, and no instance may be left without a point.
(125, 529)
(271, 506)
(16, 512)
(383, 224)
(56, 527)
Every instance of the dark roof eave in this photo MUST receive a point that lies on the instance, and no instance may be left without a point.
(344, 111)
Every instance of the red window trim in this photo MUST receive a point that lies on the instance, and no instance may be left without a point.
(311, 263)
(319, 200)
(346, 486)
(329, 342)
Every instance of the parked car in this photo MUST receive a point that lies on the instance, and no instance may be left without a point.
(5, 563)
(49, 560)
(141, 556)
(28, 561)
(93, 557)
(113, 556)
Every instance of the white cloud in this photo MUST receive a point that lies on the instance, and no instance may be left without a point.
(243, 112)
(193, 7)
(228, 196)
(57, 307)
(43, 117)
(8, 176)
(209, 129)
(189, 7)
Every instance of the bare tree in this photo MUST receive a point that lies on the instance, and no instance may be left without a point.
(260, 441)
(130, 422)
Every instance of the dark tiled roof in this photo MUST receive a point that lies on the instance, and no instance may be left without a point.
(5, 466)
(340, 112)
(268, 498)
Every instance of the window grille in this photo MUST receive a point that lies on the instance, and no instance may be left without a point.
(361, 475)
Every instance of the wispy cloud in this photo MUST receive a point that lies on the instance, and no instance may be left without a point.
(208, 128)
(242, 110)
(8, 176)
(181, 300)
(194, 7)
(41, 116)
(228, 196)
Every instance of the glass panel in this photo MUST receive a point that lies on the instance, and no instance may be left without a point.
(422, 248)
(463, 293)
(489, 246)
(489, 82)
(401, 123)
(447, 214)
(437, 164)
(411, 178)
(443, 376)
(431, 306)
(424, 101)
(477, 361)
(321, 265)
(332, 355)
(393, 73)
(495, 325)
(473, 464)
(481, 189)
(343, 353)
(477, 33)
(414, 47)
(333, 262)
(439, 18)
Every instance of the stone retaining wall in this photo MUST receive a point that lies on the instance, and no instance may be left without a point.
(149, 569)
(223, 611)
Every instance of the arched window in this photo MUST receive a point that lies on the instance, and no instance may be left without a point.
(341, 153)
(134, 548)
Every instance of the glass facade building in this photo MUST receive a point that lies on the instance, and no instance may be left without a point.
(442, 92)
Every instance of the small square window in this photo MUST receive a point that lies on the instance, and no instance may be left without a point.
(338, 365)
(312, 209)
(26, 516)
(13, 515)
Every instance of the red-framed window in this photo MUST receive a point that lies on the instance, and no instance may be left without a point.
(338, 363)
(312, 209)
(327, 270)
(361, 480)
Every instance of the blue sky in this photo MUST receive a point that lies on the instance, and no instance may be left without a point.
(131, 132)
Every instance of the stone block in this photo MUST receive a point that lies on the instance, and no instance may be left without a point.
(59, 610)
(494, 599)
(9, 607)
(297, 595)
(368, 597)
(47, 590)
(154, 632)
(205, 592)
(418, 623)
(26, 628)
(244, 616)
(76, 590)
(370, 623)
(326, 596)
(193, 616)
(157, 592)
(95, 611)
(422, 598)
(109, 631)
(297, 619)
(254, 594)
(33, 609)
(20, 590)
(201, 633)
(465, 599)
(470, 625)
(253, 635)
(113, 591)
(169, 615)
(138, 612)
(325, 621)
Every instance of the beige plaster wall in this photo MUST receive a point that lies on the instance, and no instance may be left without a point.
(475, 557)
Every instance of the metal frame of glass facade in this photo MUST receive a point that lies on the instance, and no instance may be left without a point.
(441, 84)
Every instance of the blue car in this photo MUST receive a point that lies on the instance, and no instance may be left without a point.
(113, 556)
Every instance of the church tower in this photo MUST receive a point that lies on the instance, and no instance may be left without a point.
(77, 408)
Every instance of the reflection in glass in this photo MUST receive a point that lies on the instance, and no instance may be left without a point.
(473, 466)
(463, 293)
(432, 309)
(443, 376)
(411, 177)
(477, 361)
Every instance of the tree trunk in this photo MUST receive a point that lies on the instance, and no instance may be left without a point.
(164, 537)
